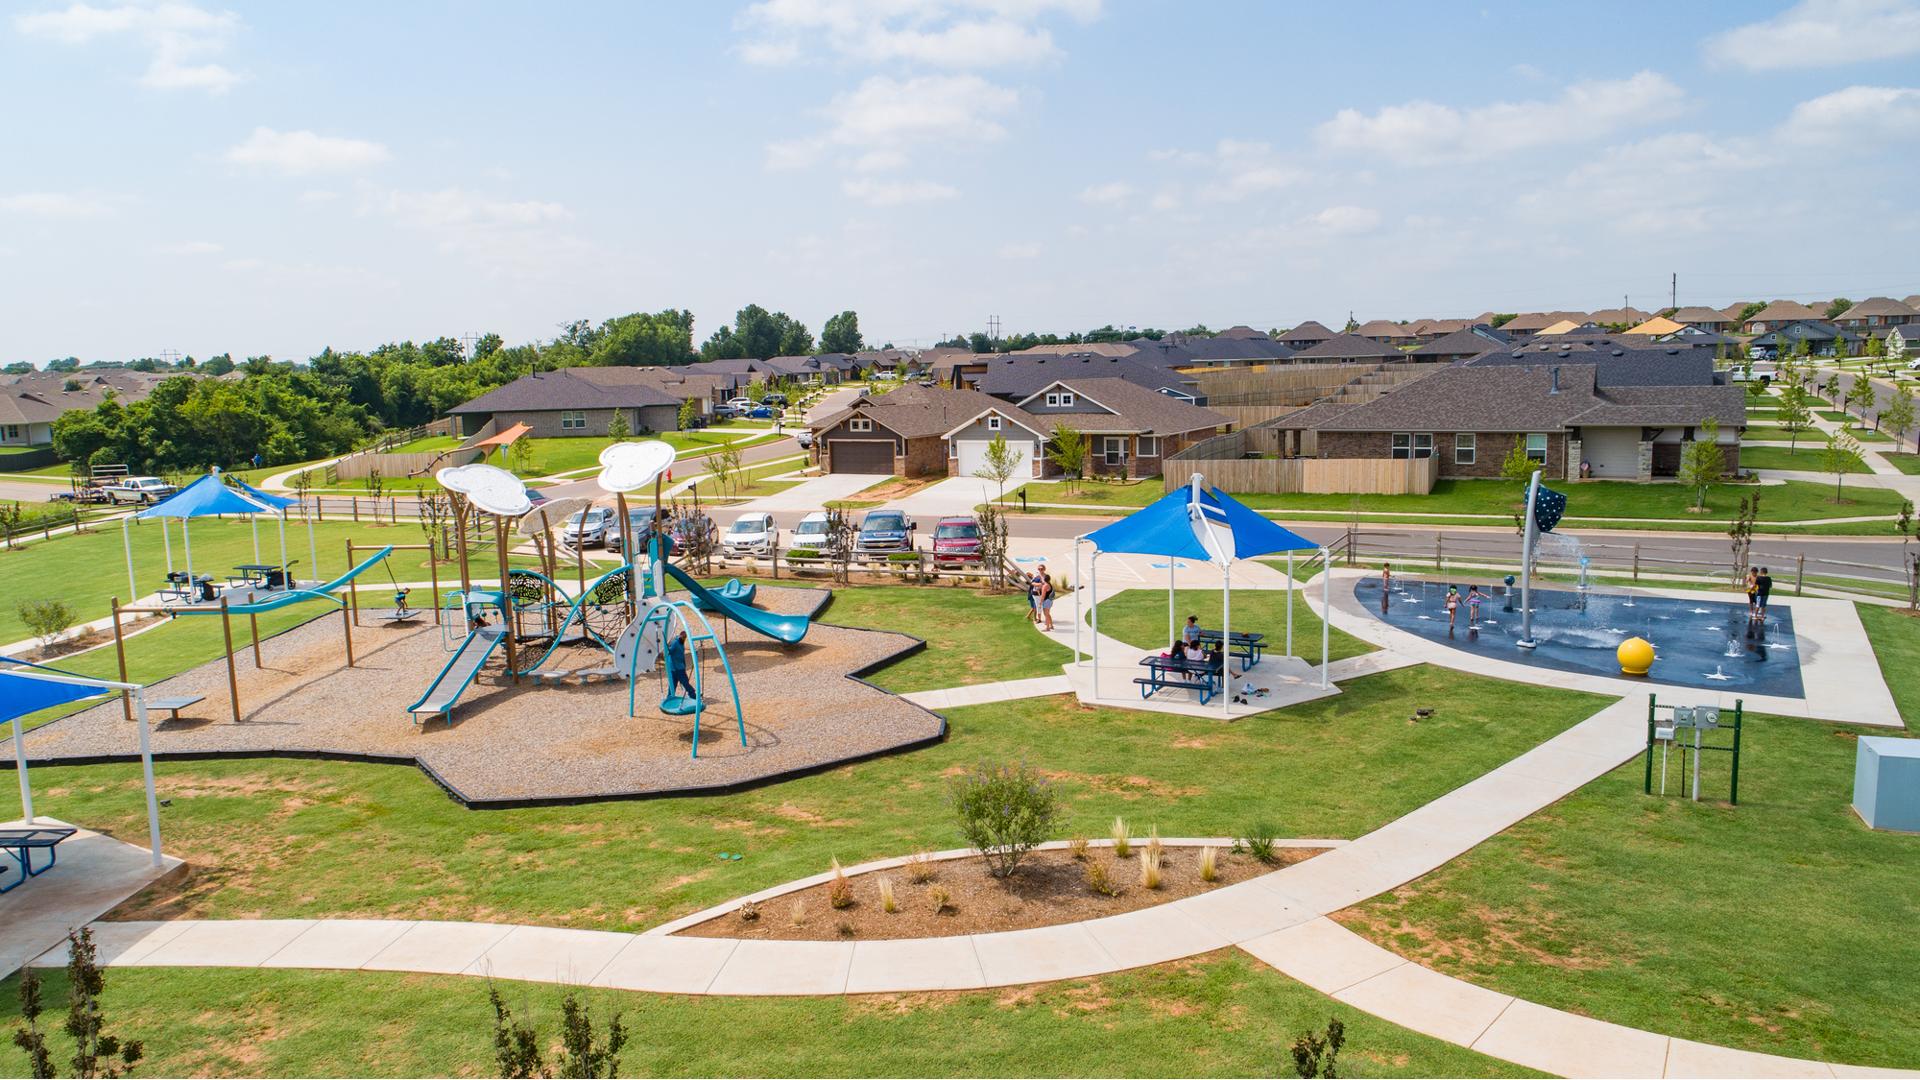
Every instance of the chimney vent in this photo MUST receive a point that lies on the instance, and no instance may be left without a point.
(1555, 388)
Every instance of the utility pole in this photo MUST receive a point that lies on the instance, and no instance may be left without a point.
(1673, 290)
(993, 328)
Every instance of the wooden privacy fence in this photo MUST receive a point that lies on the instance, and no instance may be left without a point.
(393, 466)
(1309, 476)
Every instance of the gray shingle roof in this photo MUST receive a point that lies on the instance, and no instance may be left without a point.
(1469, 342)
(1019, 375)
(1350, 347)
(1139, 409)
(1678, 365)
(567, 389)
(915, 411)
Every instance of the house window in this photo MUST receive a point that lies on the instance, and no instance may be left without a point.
(859, 423)
(1402, 445)
(1537, 449)
(573, 421)
(13, 432)
(1114, 449)
(1464, 449)
(1149, 446)
(1062, 400)
(993, 423)
(1418, 444)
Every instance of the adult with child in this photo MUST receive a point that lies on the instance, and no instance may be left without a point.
(1044, 594)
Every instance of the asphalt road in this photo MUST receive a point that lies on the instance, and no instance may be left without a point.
(1883, 394)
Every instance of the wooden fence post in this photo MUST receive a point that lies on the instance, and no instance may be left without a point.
(356, 507)
(120, 651)
(1436, 553)
(1636, 563)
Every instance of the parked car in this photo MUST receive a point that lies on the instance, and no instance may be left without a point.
(956, 542)
(140, 489)
(587, 528)
(741, 404)
(691, 530)
(725, 412)
(760, 412)
(750, 534)
(811, 535)
(883, 532)
(774, 399)
(805, 439)
(640, 524)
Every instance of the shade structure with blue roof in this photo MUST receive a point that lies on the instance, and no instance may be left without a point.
(1204, 524)
(211, 496)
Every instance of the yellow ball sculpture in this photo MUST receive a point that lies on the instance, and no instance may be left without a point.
(1635, 656)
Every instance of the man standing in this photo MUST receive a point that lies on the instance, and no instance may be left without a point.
(1765, 586)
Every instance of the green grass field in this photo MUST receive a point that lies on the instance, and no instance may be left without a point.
(971, 637)
(1806, 458)
(272, 837)
(1906, 463)
(1221, 1015)
(1139, 617)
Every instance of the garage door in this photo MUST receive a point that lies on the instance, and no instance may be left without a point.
(860, 455)
(972, 454)
(1613, 453)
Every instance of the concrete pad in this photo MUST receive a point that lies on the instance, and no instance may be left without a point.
(1042, 954)
(1862, 1070)
(666, 965)
(1323, 954)
(1320, 889)
(1428, 1002)
(1561, 765)
(947, 963)
(118, 943)
(339, 943)
(227, 943)
(441, 948)
(1155, 935)
(1247, 910)
(550, 954)
(1568, 1045)
(815, 493)
(785, 967)
(1693, 1059)
(93, 875)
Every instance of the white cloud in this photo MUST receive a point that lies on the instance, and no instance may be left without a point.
(1114, 193)
(191, 247)
(1425, 131)
(1857, 114)
(1244, 169)
(1822, 33)
(1166, 200)
(883, 117)
(54, 205)
(1343, 220)
(897, 192)
(459, 208)
(880, 161)
(316, 196)
(298, 153)
(1665, 185)
(958, 34)
(179, 38)
(1020, 251)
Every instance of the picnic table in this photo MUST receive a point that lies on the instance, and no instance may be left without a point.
(1247, 646)
(264, 575)
(21, 843)
(1176, 673)
(190, 588)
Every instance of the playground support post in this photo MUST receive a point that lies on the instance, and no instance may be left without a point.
(253, 624)
(1526, 567)
(146, 772)
(460, 511)
(120, 654)
(1079, 609)
(353, 588)
(126, 541)
(627, 552)
(506, 598)
(233, 678)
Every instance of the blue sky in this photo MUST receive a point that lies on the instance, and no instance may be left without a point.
(277, 178)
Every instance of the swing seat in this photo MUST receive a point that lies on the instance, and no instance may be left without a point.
(679, 705)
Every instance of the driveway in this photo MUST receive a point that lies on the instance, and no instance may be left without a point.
(953, 496)
(814, 494)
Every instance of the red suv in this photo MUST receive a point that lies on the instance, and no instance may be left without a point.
(956, 542)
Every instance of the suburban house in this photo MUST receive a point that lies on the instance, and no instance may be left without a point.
(1872, 317)
(1462, 345)
(1620, 316)
(1349, 348)
(1530, 323)
(1219, 350)
(1657, 326)
(1904, 340)
(1129, 429)
(580, 401)
(1097, 348)
(30, 403)
(1387, 332)
(902, 432)
(1429, 330)
(1705, 318)
(1823, 339)
(959, 368)
(1778, 314)
(1305, 336)
(1016, 378)
(1564, 326)
(1469, 417)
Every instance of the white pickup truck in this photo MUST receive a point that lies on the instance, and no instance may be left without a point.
(140, 489)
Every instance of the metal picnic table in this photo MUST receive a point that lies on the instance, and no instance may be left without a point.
(1172, 672)
(1247, 647)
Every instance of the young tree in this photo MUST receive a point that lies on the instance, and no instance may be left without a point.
(1701, 463)
(1861, 395)
(1518, 467)
(1068, 450)
(46, 619)
(1831, 388)
(1740, 530)
(1898, 415)
(1841, 457)
(618, 429)
(1795, 415)
(725, 465)
(998, 463)
(688, 413)
(95, 1053)
(520, 456)
(376, 483)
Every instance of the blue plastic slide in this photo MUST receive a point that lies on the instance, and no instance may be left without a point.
(457, 675)
(786, 629)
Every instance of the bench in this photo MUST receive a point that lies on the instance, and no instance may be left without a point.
(1148, 687)
(21, 843)
(175, 704)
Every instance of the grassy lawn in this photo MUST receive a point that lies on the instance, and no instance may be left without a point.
(1777, 433)
(1835, 415)
(1906, 463)
(1221, 1015)
(272, 837)
(1805, 458)
(1139, 617)
(428, 444)
(756, 480)
(1792, 501)
(971, 637)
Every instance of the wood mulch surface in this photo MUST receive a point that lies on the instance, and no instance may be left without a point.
(1048, 888)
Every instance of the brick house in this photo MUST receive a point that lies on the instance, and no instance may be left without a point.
(1129, 429)
(1470, 416)
(583, 401)
(902, 432)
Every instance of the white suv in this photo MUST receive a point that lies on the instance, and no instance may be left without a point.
(750, 534)
(811, 535)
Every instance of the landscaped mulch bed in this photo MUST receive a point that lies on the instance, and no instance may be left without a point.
(1048, 888)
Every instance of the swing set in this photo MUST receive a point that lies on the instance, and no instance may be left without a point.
(665, 621)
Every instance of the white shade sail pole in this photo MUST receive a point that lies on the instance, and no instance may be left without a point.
(1326, 613)
(126, 542)
(1226, 637)
(186, 538)
(166, 537)
(1172, 626)
(313, 552)
(1093, 587)
(146, 773)
(1079, 602)
(283, 544)
(253, 522)
(20, 766)
(1293, 585)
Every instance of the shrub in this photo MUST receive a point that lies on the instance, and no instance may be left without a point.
(1004, 811)
(1315, 1055)
(920, 868)
(839, 890)
(1258, 840)
(1122, 843)
(1153, 842)
(940, 898)
(1078, 848)
(1099, 881)
(798, 912)
(1150, 869)
(95, 1053)
(887, 903)
(46, 619)
(749, 911)
(844, 928)
(1209, 863)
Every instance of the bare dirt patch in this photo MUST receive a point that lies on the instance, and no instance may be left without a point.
(1049, 888)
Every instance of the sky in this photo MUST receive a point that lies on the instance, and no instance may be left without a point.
(280, 178)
